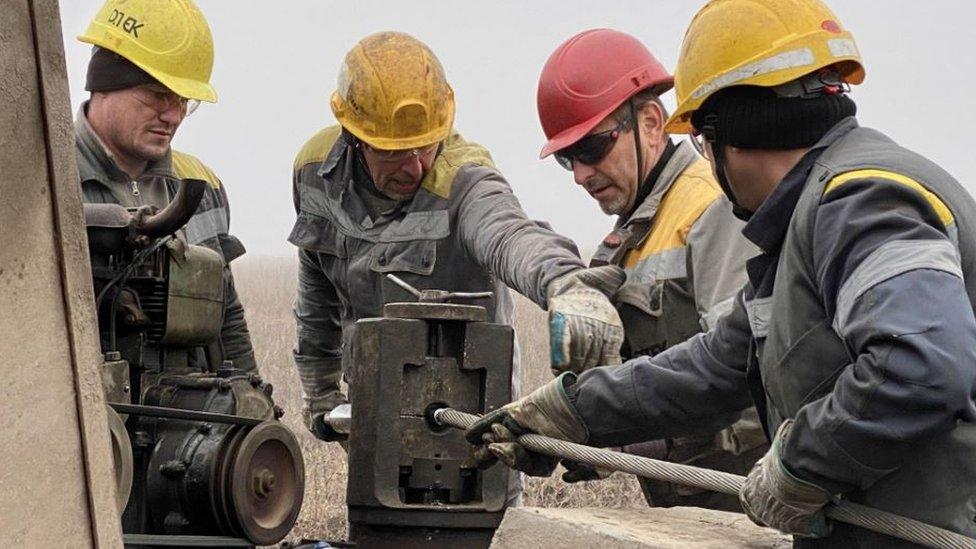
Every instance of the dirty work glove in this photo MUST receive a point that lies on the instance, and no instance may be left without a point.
(320, 391)
(772, 496)
(545, 411)
(581, 472)
(584, 328)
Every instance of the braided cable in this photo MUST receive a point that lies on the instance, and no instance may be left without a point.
(865, 517)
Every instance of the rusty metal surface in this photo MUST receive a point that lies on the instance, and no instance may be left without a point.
(411, 483)
(57, 477)
(436, 311)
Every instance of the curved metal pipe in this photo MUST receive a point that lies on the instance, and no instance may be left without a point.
(176, 214)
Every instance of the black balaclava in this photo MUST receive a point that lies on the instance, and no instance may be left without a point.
(752, 117)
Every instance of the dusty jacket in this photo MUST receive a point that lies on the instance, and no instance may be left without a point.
(684, 255)
(857, 323)
(103, 182)
(464, 230)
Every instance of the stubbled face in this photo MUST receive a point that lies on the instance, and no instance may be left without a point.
(612, 181)
(397, 174)
(139, 122)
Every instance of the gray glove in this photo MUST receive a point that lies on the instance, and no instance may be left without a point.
(584, 327)
(772, 496)
(546, 411)
(320, 391)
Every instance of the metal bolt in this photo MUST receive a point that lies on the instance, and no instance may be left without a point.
(205, 428)
(263, 483)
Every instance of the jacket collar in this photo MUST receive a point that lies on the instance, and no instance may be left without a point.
(683, 156)
(767, 227)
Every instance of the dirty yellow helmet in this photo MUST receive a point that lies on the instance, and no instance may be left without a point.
(169, 39)
(758, 43)
(392, 93)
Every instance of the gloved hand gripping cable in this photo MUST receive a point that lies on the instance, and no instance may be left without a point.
(718, 481)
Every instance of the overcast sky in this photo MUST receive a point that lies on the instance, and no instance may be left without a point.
(276, 65)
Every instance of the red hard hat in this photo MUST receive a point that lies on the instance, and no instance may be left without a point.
(589, 76)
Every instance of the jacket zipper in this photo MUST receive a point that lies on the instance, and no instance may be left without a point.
(135, 188)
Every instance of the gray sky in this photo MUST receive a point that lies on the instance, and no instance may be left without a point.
(276, 65)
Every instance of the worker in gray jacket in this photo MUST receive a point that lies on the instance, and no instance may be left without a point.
(394, 189)
(142, 89)
(854, 336)
(675, 234)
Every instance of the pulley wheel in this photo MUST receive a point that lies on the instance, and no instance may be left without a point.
(122, 462)
(267, 483)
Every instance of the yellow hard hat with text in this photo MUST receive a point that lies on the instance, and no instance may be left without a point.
(169, 39)
(758, 43)
(392, 93)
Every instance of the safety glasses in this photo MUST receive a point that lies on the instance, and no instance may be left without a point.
(399, 156)
(161, 99)
(591, 148)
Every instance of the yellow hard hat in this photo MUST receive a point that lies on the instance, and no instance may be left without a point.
(758, 43)
(392, 93)
(169, 39)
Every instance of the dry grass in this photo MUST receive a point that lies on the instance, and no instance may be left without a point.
(267, 289)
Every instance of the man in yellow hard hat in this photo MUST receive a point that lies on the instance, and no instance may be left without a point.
(150, 66)
(675, 235)
(854, 336)
(393, 188)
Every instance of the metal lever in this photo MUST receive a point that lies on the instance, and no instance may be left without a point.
(436, 296)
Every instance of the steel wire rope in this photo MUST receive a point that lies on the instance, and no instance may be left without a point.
(863, 516)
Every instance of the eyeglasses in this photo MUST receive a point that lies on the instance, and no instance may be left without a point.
(161, 99)
(591, 148)
(399, 156)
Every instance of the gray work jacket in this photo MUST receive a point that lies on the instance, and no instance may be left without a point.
(103, 182)
(463, 231)
(857, 323)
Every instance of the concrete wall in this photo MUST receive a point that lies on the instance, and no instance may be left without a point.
(56, 485)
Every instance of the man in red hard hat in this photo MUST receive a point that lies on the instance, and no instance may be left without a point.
(675, 233)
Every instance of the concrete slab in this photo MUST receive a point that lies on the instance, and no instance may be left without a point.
(646, 528)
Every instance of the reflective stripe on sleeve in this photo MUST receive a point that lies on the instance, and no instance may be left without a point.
(660, 266)
(206, 225)
(888, 261)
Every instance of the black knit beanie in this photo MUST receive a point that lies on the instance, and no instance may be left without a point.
(109, 71)
(752, 117)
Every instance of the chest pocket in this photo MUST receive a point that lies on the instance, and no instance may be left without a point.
(317, 234)
(410, 245)
(800, 371)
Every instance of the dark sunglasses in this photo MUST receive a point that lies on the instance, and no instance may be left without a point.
(591, 148)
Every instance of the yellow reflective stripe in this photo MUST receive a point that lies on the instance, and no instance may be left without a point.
(943, 211)
(188, 166)
(687, 199)
(318, 146)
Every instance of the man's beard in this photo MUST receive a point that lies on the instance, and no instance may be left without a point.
(615, 206)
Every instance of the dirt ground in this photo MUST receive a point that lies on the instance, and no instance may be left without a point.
(267, 289)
